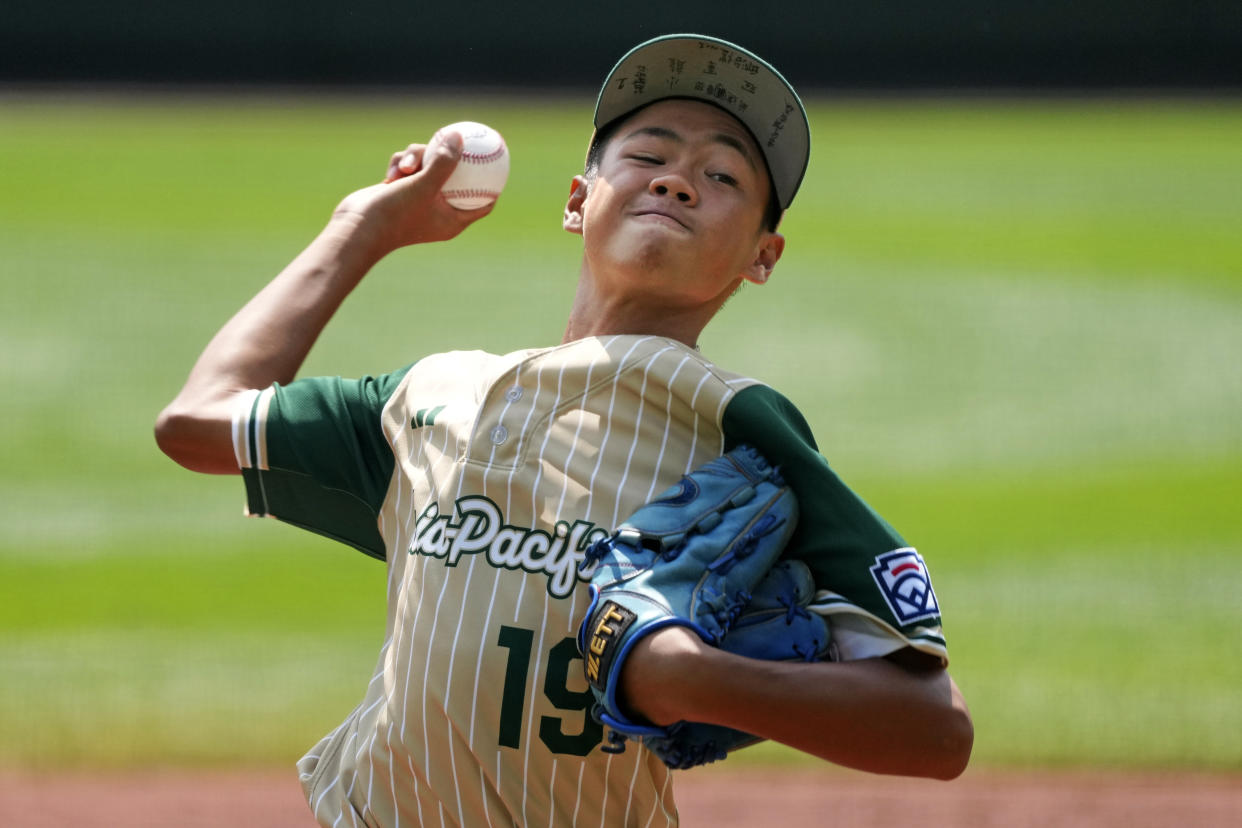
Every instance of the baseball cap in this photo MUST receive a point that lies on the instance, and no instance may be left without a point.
(723, 73)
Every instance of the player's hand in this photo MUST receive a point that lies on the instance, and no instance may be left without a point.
(407, 207)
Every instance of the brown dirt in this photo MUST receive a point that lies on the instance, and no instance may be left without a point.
(713, 796)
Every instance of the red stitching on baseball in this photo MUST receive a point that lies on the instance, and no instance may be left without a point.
(472, 158)
(471, 193)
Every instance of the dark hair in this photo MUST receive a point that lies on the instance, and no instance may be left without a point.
(771, 213)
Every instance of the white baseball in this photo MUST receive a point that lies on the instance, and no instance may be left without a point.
(483, 169)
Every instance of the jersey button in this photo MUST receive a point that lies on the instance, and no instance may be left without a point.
(514, 394)
(499, 434)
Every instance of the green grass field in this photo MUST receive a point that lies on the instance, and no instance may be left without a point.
(1014, 326)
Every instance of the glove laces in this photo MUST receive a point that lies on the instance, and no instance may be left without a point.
(594, 553)
(792, 608)
(766, 525)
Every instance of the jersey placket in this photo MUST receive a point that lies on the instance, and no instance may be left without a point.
(499, 431)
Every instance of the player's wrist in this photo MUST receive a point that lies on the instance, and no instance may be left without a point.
(657, 677)
(357, 239)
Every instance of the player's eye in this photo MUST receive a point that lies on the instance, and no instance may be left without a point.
(646, 158)
(723, 178)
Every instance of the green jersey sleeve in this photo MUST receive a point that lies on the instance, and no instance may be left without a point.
(313, 454)
(862, 566)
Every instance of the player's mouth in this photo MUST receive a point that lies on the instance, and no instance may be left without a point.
(657, 216)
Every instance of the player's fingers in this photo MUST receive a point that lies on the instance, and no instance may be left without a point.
(417, 196)
(440, 158)
(404, 162)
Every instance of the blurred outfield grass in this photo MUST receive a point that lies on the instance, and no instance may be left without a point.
(1014, 326)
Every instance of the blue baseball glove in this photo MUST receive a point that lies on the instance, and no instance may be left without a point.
(694, 557)
(776, 626)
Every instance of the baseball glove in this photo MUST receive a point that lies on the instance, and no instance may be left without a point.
(694, 557)
(776, 626)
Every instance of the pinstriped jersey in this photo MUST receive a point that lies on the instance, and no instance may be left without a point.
(481, 479)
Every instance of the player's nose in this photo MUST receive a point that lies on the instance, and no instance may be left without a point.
(675, 184)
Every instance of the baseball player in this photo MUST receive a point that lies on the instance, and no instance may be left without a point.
(481, 479)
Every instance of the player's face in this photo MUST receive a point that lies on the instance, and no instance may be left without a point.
(677, 206)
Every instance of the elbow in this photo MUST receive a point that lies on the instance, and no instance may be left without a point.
(954, 734)
(172, 427)
(181, 435)
(957, 740)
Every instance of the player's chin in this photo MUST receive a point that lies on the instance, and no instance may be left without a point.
(655, 265)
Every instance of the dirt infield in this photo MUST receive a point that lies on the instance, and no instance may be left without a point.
(719, 796)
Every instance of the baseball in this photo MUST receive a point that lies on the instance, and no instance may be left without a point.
(483, 169)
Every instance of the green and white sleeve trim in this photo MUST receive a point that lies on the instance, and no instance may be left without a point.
(860, 634)
(250, 441)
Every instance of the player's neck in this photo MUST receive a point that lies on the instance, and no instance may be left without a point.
(631, 318)
(596, 314)
(581, 327)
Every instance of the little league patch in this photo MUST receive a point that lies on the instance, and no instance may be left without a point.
(902, 578)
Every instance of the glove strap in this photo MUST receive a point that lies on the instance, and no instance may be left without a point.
(619, 729)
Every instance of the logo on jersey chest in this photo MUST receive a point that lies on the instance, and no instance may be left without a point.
(479, 528)
(902, 578)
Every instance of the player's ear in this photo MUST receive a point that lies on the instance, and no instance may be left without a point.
(572, 221)
(771, 246)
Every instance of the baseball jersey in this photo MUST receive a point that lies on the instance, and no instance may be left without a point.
(480, 480)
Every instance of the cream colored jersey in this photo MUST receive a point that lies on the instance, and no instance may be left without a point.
(481, 480)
